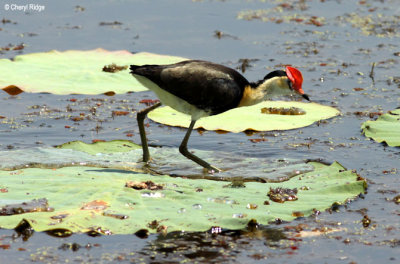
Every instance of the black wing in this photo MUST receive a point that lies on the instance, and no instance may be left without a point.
(206, 85)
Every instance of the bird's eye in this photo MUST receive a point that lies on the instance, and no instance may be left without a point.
(290, 84)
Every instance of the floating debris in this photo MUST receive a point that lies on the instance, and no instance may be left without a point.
(142, 233)
(77, 118)
(396, 199)
(257, 140)
(197, 206)
(59, 217)
(282, 111)
(297, 214)
(153, 224)
(35, 205)
(252, 225)
(110, 93)
(13, 47)
(149, 102)
(120, 113)
(219, 35)
(162, 229)
(6, 21)
(222, 200)
(24, 229)
(70, 246)
(115, 23)
(181, 211)
(281, 195)
(366, 221)
(239, 215)
(148, 185)
(59, 232)
(315, 212)
(12, 90)
(79, 8)
(370, 25)
(100, 231)
(278, 16)
(236, 183)
(113, 68)
(96, 205)
(251, 206)
(117, 216)
(244, 64)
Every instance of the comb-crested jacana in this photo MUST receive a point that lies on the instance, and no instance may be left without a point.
(202, 88)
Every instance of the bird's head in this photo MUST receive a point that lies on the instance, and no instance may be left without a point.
(280, 83)
(295, 81)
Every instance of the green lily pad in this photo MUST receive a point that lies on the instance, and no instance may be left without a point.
(385, 129)
(250, 118)
(101, 147)
(87, 198)
(75, 71)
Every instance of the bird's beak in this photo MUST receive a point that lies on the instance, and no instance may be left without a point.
(305, 96)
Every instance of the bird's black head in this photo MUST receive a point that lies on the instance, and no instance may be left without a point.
(295, 79)
(273, 74)
(270, 75)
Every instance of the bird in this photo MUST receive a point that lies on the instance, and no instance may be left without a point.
(201, 88)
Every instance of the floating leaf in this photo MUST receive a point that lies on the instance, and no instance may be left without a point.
(76, 72)
(250, 118)
(385, 129)
(112, 154)
(88, 198)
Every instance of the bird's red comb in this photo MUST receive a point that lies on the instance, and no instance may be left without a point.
(296, 78)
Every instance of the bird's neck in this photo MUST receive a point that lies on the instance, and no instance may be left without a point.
(264, 90)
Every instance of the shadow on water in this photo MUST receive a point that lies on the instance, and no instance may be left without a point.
(214, 245)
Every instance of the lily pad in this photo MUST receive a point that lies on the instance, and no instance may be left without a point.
(250, 118)
(385, 129)
(75, 71)
(165, 160)
(87, 198)
(101, 147)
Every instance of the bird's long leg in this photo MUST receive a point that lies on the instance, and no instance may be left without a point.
(141, 115)
(183, 149)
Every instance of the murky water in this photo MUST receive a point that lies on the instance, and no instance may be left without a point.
(334, 43)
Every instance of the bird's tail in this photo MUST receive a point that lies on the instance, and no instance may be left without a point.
(146, 70)
(134, 68)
